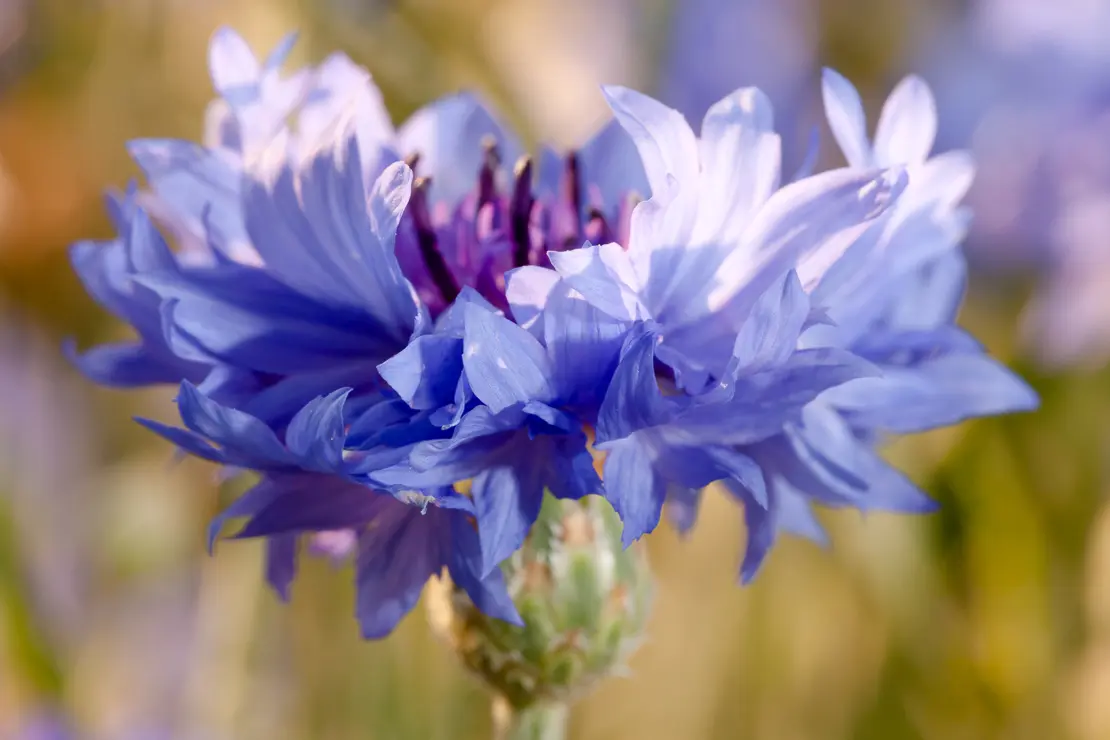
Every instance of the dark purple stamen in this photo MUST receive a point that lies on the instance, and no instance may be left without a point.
(487, 187)
(520, 210)
(426, 238)
(573, 194)
(597, 228)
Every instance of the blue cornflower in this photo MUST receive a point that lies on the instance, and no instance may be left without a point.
(379, 316)
(892, 300)
(311, 484)
(709, 279)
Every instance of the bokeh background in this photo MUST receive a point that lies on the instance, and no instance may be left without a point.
(990, 619)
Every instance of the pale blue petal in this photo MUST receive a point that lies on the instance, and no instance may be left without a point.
(604, 276)
(667, 145)
(846, 118)
(527, 290)
(770, 334)
(937, 392)
(908, 124)
(231, 62)
(740, 163)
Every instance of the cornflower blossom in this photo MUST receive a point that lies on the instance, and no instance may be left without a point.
(411, 343)
(1026, 86)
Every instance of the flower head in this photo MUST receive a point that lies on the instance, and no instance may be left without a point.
(411, 342)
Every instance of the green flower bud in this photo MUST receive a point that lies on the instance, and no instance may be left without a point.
(584, 600)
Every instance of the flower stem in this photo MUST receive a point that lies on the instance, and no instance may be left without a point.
(540, 721)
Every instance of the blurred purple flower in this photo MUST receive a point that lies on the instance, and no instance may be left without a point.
(46, 455)
(1026, 84)
(717, 46)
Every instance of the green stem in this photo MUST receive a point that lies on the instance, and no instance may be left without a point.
(540, 721)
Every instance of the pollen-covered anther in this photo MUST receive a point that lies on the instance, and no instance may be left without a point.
(487, 175)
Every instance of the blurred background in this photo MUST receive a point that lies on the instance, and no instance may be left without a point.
(990, 619)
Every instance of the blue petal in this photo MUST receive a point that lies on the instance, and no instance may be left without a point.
(281, 563)
(426, 372)
(261, 495)
(743, 473)
(488, 592)
(316, 434)
(231, 62)
(186, 440)
(846, 118)
(762, 528)
(396, 557)
(740, 161)
(605, 277)
(809, 225)
(770, 334)
(507, 500)
(505, 365)
(633, 487)
(313, 504)
(126, 365)
(937, 392)
(843, 470)
(570, 469)
(633, 400)
(320, 232)
(682, 507)
(667, 146)
(280, 53)
(795, 515)
(276, 403)
(244, 438)
(526, 290)
(908, 123)
(198, 188)
(584, 345)
(243, 317)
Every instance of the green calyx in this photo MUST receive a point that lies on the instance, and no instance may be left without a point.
(583, 598)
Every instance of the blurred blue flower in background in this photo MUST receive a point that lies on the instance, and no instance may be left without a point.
(717, 46)
(1027, 86)
(411, 342)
